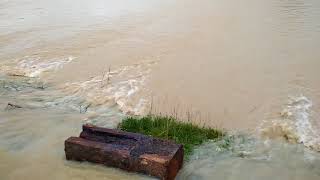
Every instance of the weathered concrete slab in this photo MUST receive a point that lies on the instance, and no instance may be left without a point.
(129, 151)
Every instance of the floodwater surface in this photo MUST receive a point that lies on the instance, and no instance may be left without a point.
(249, 67)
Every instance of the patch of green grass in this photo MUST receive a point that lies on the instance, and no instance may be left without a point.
(169, 128)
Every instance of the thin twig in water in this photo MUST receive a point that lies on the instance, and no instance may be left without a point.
(102, 80)
(84, 109)
(11, 106)
(108, 77)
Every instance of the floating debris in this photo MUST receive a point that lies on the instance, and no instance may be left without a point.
(11, 106)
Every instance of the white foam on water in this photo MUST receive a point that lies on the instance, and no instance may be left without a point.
(34, 66)
(32, 95)
(99, 98)
(294, 124)
(123, 87)
(242, 157)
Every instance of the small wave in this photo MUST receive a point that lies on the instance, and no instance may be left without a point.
(32, 94)
(294, 124)
(34, 66)
(99, 98)
(262, 159)
(123, 87)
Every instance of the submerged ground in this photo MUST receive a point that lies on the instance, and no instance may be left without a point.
(248, 67)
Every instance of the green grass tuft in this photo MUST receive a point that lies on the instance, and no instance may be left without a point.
(169, 128)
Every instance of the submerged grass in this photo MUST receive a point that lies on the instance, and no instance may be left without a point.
(169, 128)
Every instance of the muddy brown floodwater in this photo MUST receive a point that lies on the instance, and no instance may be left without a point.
(250, 67)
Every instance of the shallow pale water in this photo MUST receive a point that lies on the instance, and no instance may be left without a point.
(249, 66)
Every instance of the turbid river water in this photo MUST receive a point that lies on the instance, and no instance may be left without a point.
(250, 67)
